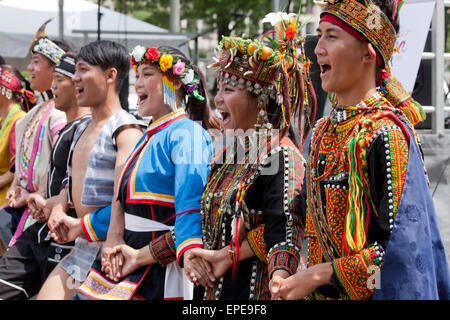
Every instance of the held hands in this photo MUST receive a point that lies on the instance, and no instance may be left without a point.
(300, 284)
(197, 269)
(38, 207)
(123, 261)
(282, 286)
(65, 229)
(17, 197)
(112, 257)
(217, 260)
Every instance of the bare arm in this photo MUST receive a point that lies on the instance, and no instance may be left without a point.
(111, 260)
(6, 178)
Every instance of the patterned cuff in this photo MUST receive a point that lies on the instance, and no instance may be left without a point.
(353, 272)
(88, 231)
(255, 239)
(162, 249)
(283, 257)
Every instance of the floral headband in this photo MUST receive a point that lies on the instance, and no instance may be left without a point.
(168, 64)
(49, 49)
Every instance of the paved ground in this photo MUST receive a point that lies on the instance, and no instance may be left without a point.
(437, 162)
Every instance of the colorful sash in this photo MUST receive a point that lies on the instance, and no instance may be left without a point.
(176, 285)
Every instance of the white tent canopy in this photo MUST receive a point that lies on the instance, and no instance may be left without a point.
(20, 20)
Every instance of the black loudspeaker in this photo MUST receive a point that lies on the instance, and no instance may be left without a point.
(314, 72)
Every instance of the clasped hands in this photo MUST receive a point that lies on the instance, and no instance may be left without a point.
(38, 206)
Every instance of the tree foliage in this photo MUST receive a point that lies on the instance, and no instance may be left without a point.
(222, 16)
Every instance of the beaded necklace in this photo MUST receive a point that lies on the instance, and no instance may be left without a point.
(211, 238)
(243, 178)
(30, 149)
(339, 114)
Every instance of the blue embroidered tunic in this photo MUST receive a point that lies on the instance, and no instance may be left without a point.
(160, 191)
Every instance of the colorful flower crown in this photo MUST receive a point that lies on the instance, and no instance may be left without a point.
(169, 64)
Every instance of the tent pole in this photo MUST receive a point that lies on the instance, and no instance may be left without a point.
(98, 19)
(174, 15)
(61, 19)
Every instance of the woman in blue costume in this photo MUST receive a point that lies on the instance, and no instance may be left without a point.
(160, 188)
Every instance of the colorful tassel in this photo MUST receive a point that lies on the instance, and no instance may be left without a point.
(169, 92)
(401, 99)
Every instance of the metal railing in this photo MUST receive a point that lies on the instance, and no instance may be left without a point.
(438, 57)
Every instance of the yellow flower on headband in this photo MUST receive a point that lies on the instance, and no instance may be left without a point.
(165, 62)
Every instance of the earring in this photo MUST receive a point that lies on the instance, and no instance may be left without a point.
(262, 121)
(169, 92)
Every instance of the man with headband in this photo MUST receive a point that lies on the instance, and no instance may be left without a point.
(27, 264)
(371, 232)
(97, 153)
(35, 135)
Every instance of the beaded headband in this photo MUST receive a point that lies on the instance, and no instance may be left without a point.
(41, 44)
(367, 19)
(49, 49)
(66, 67)
(275, 69)
(8, 83)
(170, 65)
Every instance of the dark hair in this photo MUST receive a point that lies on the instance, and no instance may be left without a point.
(26, 103)
(196, 109)
(109, 54)
(70, 54)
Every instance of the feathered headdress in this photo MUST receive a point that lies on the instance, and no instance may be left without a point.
(41, 44)
(272, 68)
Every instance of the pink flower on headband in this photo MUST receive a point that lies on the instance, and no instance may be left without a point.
(178, 68)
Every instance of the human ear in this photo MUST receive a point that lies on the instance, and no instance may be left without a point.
(370, 54)
(111, 75)
(177, 83)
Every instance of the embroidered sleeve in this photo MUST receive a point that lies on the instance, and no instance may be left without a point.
(96, 223)
(163, 248)
(283, 231)
(255, 239)
(388, 161)
(191, 151)
(358, 274)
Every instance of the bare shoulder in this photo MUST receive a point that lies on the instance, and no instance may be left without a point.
(127, 136)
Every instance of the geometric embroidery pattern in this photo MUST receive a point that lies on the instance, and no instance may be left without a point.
(328, 200)
(163, 249)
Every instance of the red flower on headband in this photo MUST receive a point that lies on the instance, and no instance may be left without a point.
(291, 32)
(152, 54)
(133, 61)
